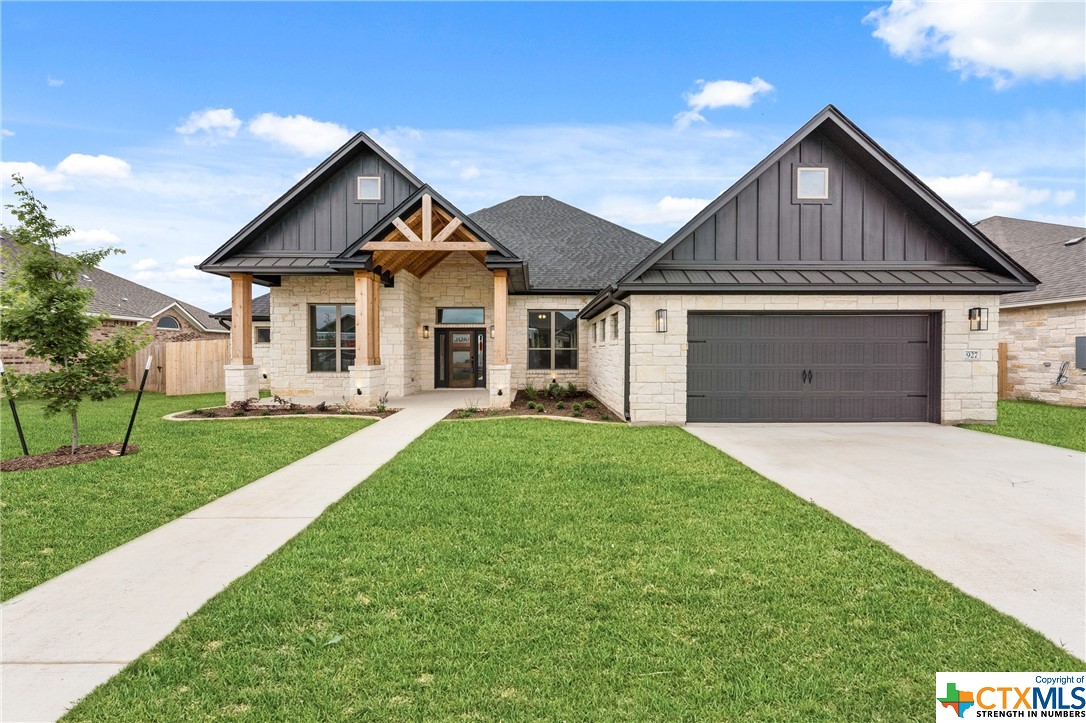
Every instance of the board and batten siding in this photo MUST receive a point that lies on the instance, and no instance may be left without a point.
(861, 222)
(330, 218)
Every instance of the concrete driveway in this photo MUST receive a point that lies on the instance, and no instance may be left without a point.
(1001, 519)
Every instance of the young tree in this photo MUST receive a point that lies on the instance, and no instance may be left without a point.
(44, 307)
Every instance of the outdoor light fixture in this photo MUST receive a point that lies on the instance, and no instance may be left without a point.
(661, 320)
(492, 333)
(425, 331)
(978, 319)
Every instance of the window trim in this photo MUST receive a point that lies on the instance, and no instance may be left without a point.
(339, 347)
(465, 324)
(358, 189)
(553, 349)
(256, 334)
(828, 187)
(174, 319)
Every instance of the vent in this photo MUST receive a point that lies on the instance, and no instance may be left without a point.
(1076, 240)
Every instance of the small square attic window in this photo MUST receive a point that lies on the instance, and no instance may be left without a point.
(813, 183)
(369, 188)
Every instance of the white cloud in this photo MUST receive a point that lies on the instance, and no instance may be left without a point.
(84, 166)
(720, 94)
(982, 194)
(1062, 198)
(168, 275)
(1001, 41)
(145, 264)
(639, 212)
(301, 133)
(6, 133)
(190, 260)
(213, 123)
(469, 173)
(35, 176)
(53, 82)
(92, 237)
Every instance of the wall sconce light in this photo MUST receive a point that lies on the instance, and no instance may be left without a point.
(661, 320)
(978, 319)
(425, 331)
(491, 331)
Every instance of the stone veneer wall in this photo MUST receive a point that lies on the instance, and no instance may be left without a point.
(1040, 335)
(658, 361)
(607, 359)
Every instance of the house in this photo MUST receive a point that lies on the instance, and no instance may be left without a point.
(828, 284)
(1041, 327)
(125, 303)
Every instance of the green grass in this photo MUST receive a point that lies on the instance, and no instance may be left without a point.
(1039, 422)
(56, 519)
(534, 570)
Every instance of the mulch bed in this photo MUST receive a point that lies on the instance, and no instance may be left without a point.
(281, 410)
(63, 456)
(595, 411)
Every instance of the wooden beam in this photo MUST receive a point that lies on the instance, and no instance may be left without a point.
(375, 321)
(403, 228)
(420, 246)
(501, 316)
(448, 231)
(427, 218)
(362, 282)
(241, 319)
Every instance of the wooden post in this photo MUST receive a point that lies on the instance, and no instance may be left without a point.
(375, 319)
(501, 316)
(1002, 370)
(427, 218)
(241, 319)
(367, 318)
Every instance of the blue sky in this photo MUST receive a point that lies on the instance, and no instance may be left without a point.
(163, 128)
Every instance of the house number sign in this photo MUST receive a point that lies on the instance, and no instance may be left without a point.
(972, 355)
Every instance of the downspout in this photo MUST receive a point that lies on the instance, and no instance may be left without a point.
(626, 365)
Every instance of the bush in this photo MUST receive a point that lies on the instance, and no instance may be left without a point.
(589, 404)
(531, 392)
(571, 388)
(265, 413)
(555, 390)
(576, 412)
(540, 409)
(322, 407)
(463, 414)
(243, 405)
(560, 405)
(577, 408)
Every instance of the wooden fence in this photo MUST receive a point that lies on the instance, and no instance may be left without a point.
(182, 367)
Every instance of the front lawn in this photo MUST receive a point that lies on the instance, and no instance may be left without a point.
(55, 519)
(1039, 422)
(541, 570)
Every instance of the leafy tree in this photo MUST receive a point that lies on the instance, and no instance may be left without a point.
(44, 307)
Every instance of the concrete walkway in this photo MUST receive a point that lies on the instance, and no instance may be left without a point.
(69, 635)
(1001, 519)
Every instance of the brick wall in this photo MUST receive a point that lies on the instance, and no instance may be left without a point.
(1039, 339)
(658, 360)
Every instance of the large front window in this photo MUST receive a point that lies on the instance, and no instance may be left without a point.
(331, 337)
(552, 340)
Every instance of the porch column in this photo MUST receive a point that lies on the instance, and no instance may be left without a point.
(501, 373)
(242, 376)
(241, 319)
(367, 374)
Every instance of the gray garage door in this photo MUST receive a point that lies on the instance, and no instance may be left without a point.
(810, 368)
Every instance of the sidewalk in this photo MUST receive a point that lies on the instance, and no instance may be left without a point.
(70, 634)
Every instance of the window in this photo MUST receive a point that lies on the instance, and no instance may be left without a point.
(168, 322)
(593, 333)
(331, 337)
(460, 316)
(369, 188)
(263, 335)
(552, 340)
(614, 325)
(812, 183)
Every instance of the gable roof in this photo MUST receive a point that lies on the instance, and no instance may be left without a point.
(1042, 248)
(566, 249)
(261, 309)
(969, 261)
(123, 299)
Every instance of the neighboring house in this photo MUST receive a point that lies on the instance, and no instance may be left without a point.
(125, 304)
(828, 284)
(1040, 327)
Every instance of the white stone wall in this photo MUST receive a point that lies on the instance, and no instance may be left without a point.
(658, 360)
(458, 281)
(519, 306)
(1039, 340)
(262, 355)
(606, 358)
(400, 335)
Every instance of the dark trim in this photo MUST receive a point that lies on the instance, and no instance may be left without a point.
(687, 265)
(476, 332)
(935, 383)
(328, 167)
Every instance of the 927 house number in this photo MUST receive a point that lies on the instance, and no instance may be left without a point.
(972, 355)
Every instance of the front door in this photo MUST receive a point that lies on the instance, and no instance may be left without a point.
(460, 358)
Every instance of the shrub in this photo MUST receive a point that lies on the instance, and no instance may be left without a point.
(589, 404)
(576, 412)
(463, 414)
(243, 405)
(265, 413)
(577, 408)
(540, 409)
(238, 413)
(571, 388)
(555, 390)
(560, 405)
(322, 407)
(531, 392)
(345, 410)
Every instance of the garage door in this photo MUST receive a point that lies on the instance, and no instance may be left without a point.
(810, 368)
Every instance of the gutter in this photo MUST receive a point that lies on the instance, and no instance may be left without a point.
(626, 343)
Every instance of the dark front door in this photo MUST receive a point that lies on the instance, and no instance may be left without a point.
(460, 358)
(811, 368)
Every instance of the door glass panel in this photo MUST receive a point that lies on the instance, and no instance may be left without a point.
(480, 359)
(462, 368)
(459, 316)
(441, 342)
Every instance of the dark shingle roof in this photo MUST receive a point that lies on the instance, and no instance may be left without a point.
(1042, 248)
(566, 248)
(117, 296)
(261, 309)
